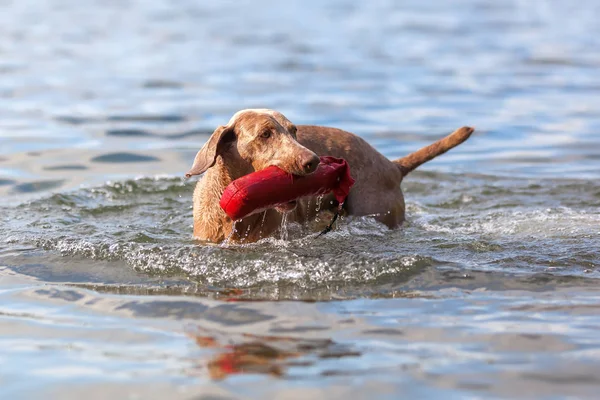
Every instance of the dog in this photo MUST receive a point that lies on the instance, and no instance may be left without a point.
(255, 139)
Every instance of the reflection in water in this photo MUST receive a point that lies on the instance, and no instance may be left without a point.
(258, 354)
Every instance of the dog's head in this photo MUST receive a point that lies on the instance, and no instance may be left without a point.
(255, 139)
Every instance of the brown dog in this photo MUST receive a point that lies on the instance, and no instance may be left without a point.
(257, 138)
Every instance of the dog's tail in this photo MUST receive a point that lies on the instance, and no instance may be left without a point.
(413, 160)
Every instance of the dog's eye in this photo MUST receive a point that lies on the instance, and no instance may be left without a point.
(266, 134)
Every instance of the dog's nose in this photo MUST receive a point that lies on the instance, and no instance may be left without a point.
(310, 163)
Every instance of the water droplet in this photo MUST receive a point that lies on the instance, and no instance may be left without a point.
(319, 199)
(262, 224)
(247, 232)
(284, 230)
(233, 231)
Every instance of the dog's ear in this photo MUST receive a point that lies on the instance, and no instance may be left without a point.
(207, 156)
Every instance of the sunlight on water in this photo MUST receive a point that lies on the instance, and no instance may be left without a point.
(490, 289)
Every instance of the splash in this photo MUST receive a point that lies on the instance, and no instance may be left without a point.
(145, 225)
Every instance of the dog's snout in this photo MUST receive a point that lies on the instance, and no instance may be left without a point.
(310, 163)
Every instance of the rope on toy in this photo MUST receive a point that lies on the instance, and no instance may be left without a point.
(335, 217)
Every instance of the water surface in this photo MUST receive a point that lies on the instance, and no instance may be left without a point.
(489, 290)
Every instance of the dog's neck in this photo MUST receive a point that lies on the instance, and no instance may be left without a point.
(211, 222)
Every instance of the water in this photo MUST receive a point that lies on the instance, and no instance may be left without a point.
(489, 290)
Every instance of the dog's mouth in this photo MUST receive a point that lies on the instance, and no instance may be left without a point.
(286, 207)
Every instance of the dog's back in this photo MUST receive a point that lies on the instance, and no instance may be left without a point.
(377, 189)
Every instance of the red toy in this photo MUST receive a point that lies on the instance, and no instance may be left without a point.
(272, 186)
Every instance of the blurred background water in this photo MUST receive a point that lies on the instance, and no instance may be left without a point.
(489, 290)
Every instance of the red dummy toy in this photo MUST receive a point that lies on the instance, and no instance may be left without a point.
(272, 186)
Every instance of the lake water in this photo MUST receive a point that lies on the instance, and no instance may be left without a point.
(491, 289)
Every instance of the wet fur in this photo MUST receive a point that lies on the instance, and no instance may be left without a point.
(240, 148)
